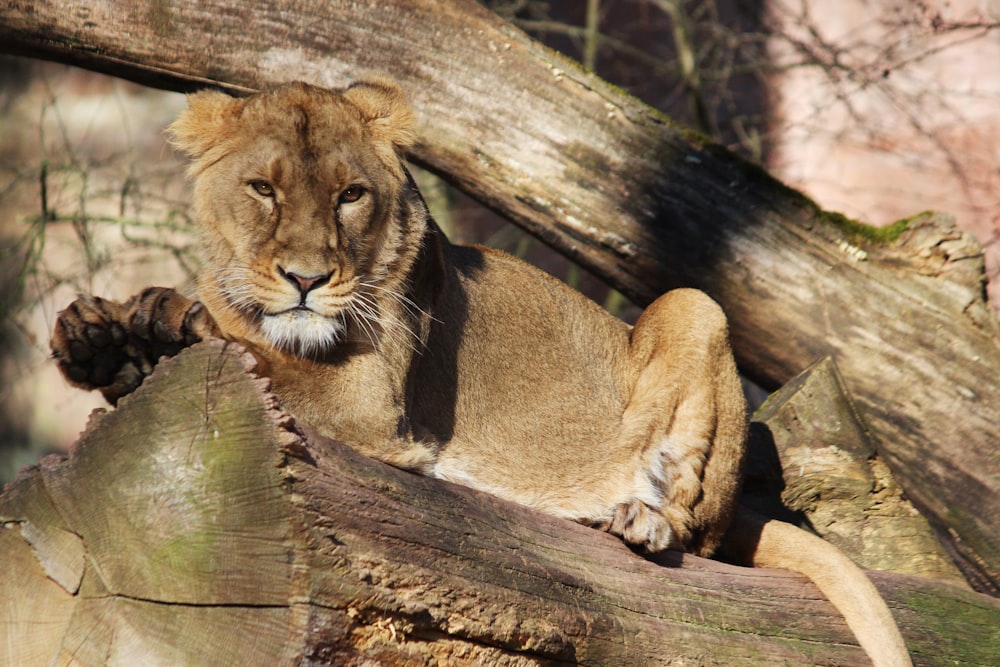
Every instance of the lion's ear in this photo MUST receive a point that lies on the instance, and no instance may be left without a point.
(384, 107)
(205, 123)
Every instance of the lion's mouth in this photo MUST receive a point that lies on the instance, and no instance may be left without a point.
(302, 331)
(301, 310)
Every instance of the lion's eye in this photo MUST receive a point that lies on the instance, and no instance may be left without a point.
(263, 188)
(352, 194)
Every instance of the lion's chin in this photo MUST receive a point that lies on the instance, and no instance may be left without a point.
(302, 332)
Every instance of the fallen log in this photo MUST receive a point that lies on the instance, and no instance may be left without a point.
(614, 185)
(199, 524)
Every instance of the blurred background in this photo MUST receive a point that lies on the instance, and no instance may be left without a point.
(878, 109)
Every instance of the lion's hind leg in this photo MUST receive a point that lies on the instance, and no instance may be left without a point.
(686, 420)
(685, 424)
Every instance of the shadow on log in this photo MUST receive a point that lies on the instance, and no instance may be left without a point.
(198, 524)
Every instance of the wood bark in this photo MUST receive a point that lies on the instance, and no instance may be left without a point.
(198, 524)
(614, 185)
(812, 463)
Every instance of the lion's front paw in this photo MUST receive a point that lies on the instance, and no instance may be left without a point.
(112, 347)
(91, 347)
(166, 321)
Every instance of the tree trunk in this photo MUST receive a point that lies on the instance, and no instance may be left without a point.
(611, 183)
(198, 524)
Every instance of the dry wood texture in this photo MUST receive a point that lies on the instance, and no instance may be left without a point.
(197, 524)
(811, 462)
(614, 185)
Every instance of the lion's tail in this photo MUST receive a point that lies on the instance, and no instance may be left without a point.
(772, 543)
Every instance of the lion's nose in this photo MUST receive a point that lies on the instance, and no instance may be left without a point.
(305, 284)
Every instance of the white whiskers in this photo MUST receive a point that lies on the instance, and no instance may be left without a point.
(381, 314)
(369, 315)
(377, 324)
(235, 285)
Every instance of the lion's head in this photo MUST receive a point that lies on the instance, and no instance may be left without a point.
(308, 217)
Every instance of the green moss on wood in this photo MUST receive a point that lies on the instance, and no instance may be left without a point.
(860, 232)
(966, 629)
(700, 139)
(854, 230)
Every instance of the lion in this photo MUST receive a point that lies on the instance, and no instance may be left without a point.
(461, 363)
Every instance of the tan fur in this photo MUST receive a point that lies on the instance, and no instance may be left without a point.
(461, 363)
